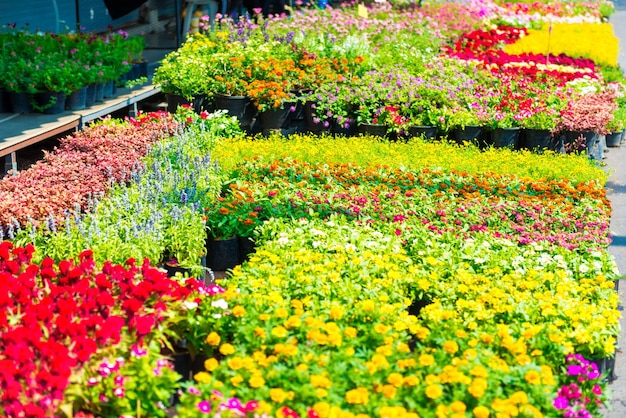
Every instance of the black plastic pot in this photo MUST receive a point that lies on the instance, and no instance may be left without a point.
(222, 254)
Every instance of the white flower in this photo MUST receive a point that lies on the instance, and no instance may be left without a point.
(583, 268)
(189, 304)
(350, 248)
(220, 303)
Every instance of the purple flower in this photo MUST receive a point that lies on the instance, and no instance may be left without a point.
(204, 407)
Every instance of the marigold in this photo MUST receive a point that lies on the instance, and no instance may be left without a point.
(256, 381)
(202, 377)
(434, 391)
(213, 339)
(227, 349)
(211, 364)
(358, 396)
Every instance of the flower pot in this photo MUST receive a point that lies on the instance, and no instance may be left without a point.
(107, 89)
(99, 92)
(77, 100)
(313, 123)
(237, 106)
(203, 104)
(505, 138)
(537, 140)
(20, 102)
(623, 137)
(606, 367)
(222, 254)
(467, 134)
(91, 95)
(246, 248)
(614, 139)
(4, 101)
(175, 100)
(427, 132)
(346, 128)
(274, 118)
(51, 103)
(375, 129)
(141, 69)
(579, 141)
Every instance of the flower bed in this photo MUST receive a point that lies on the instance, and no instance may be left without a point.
(377, 239)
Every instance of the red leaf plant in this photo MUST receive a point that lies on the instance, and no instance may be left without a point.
(82, 167)
(54, 317)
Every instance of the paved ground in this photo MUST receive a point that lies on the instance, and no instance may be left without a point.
(616, 188)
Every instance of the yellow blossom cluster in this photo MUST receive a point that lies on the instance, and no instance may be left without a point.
(595, 41)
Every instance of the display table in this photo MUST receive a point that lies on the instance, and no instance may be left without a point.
(20, 130)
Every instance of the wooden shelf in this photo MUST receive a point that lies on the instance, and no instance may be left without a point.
(20, 130)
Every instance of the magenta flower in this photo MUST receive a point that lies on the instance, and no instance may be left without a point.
(560, 403)
(204, 407)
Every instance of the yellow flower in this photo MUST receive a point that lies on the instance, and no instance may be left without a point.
(227, 349)
(256, 381)
(519, 397)
(358, 396)
(202, 377)
(381, 328)
(239, 311)
(477, 387)
(458, 406)
(264, 317)
(336, 312)
(389, 391)
(281, 313)
(434, 391)
(450, 347)
(235, 363)
(426, 360)
(533, 377)
(411, 380)
(479, 371)
(350, 332)
(236, 380)
(322, 409)
(320, 381)
(210, 364)
(395, 379)
(368, 305)
(278, 395)
(321, 393)
(260, 332)
(350, 351)
(481, 412)
(213, 339)
(292, 322)
(279, 332)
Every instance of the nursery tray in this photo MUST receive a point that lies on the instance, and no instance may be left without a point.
(20, 130)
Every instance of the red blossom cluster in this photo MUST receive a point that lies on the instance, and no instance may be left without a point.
(482, 46)
(82, 166)
(484, 40)
(54, 317)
